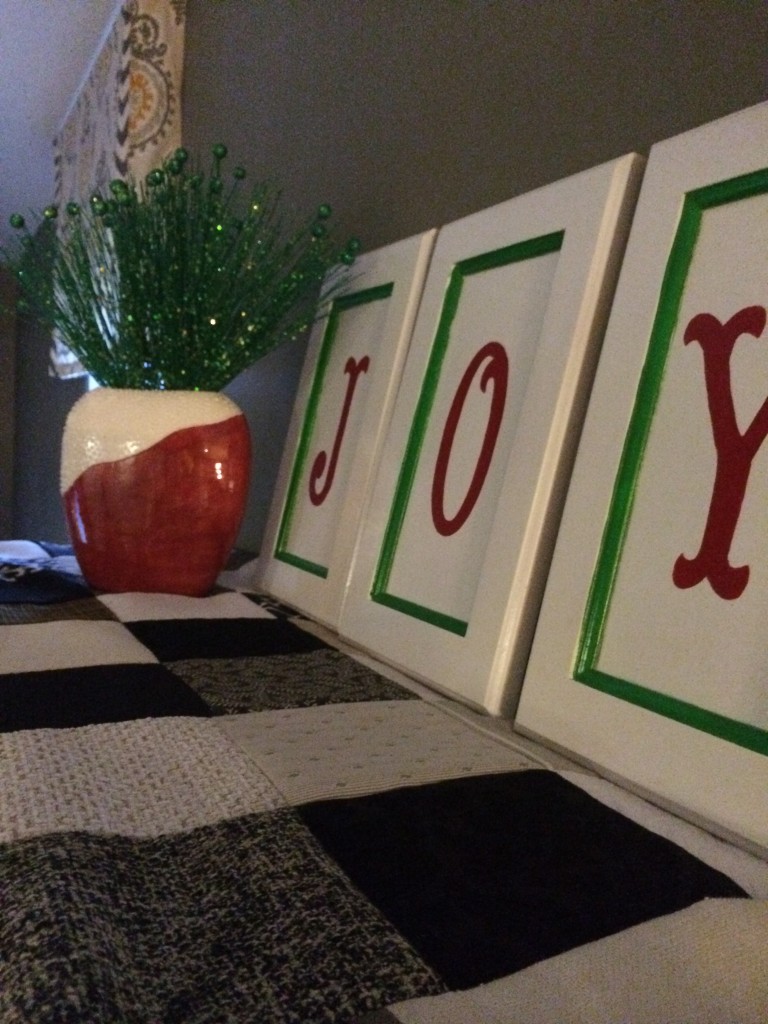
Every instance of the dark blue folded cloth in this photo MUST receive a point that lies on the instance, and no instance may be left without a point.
(41, 580)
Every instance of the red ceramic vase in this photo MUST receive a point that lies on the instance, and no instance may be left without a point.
(154, 485)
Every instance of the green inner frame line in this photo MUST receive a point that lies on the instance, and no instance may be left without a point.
(601, 591)
(338, 307)
(515, 253)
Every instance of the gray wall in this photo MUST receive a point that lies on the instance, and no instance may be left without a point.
(406, 114)
(42, 404)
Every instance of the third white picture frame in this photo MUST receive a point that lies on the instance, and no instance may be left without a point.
(649, 660)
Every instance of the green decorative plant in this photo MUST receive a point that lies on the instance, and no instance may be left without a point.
(180, 282)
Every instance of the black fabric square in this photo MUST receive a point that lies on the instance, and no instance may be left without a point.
(180, 639)
(488, 875)
(93, 695)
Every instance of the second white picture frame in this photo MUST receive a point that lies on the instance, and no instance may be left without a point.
(457, 534)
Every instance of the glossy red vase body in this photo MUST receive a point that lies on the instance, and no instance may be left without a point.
(154, 485)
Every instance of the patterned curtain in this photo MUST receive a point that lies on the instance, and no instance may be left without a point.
(126, 117)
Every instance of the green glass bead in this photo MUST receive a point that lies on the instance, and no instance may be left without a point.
(179, 227)
(51, 212)
(16, 221)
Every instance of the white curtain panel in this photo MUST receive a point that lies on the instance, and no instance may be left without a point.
(126, 118)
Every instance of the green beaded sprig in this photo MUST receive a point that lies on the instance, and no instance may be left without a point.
(180, 282)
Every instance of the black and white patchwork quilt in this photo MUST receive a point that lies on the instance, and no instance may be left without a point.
(210, 813)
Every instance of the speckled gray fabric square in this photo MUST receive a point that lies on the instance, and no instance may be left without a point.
(220, 924)
(82, 608)
(236, 685)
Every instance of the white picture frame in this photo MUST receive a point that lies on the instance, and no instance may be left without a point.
(456, 538)
(649, 658)
(350, 375)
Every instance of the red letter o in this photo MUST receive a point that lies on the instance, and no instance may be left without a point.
(496, 371)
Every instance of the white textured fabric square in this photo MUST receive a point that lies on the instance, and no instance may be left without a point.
(147, 777)
(36, 647)
(146, 607)
(365, 747)
(704, 965)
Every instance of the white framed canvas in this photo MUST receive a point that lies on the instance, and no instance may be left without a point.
(456, 537)
(350, 376)
(650, 658)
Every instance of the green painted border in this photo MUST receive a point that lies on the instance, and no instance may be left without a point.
(601, 590)
(338, 307)
(516, 253)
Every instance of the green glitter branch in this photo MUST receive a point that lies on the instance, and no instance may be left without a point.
(179, 283)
